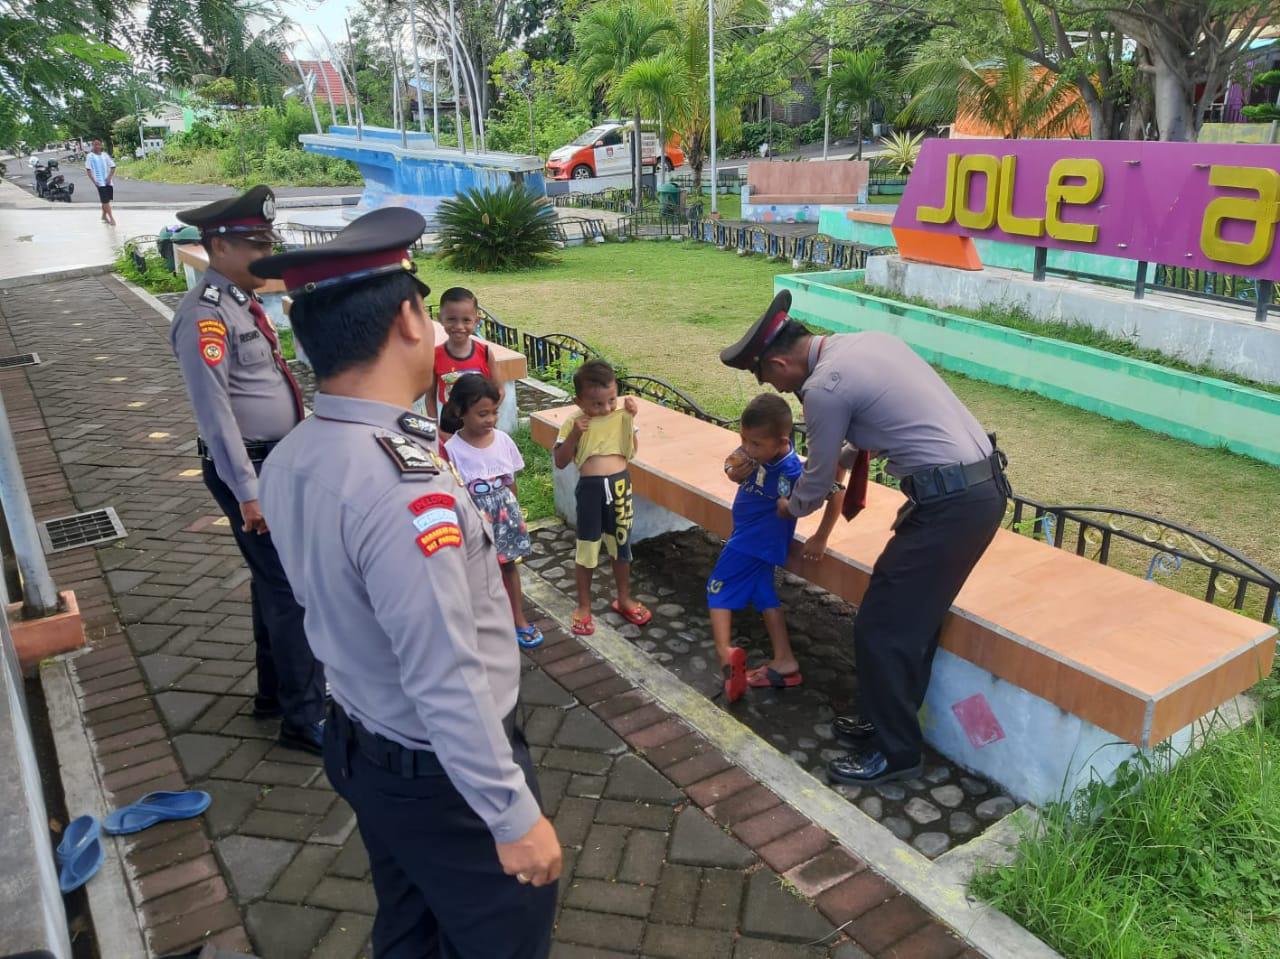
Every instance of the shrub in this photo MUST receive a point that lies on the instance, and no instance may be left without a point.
(901, 151)
(155, 277)
(496, 230)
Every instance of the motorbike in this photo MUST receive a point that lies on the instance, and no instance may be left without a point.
(57, 189)
(42, 178)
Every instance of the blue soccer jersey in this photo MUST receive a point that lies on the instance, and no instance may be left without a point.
(758, 530)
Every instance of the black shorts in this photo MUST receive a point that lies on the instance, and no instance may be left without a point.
(606, 510)
(105, 193)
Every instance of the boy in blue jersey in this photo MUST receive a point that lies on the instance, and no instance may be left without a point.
(765, 467)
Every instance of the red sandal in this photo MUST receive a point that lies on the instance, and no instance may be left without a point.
(637, 615)
(735, 675)
(583, 625)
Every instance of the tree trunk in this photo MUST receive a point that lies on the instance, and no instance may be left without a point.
(857, 130)
(1174, 114)
(638, 157)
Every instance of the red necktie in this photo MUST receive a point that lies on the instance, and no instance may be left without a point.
(264, 324)
(855, 497)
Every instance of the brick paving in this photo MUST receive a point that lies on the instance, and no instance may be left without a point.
(670, 850)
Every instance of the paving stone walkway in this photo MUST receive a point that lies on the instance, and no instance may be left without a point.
(670, 850)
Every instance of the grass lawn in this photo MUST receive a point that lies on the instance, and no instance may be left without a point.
(666, 309)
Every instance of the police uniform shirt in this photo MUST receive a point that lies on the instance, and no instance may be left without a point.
(874, 391)
(405, 607)
(233, 380)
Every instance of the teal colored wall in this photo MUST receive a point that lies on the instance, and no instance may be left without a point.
(995, 253)
(1198, 409)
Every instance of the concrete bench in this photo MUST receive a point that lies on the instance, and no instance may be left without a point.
(508, 365)
(1052, 669)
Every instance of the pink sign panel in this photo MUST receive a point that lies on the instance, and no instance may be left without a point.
(978, 721)
(1197, 205)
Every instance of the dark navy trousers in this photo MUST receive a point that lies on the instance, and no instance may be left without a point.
(288, 673)
(441, 890)
(913, 584)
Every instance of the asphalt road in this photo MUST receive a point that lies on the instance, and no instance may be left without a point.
(147, 191)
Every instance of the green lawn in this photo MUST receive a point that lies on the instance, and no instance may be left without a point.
(666, 308)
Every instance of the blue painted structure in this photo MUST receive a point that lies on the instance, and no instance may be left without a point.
(420, 175)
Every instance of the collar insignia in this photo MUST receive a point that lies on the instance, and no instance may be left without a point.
(238, 294)
(212, 295)
(409, 458)
(419, 426)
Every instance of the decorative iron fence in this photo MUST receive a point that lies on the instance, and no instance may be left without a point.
(495, 331)
(579, 229)
(664, 394)
(555, 355)
(1160, 547)
(1210, 285)
(816, 249)
(650, 224)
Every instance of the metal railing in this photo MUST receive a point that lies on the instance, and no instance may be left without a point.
(664, 394)
(580, 229)
(495, 331)
(555, 353)
(1164, 547)
(650, 223)
(816, 249)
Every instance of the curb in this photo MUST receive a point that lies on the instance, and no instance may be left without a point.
(937, 887)
(52, 276)
(146, 298)
(115, 921)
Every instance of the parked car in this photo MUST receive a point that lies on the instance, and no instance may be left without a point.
(605, 150)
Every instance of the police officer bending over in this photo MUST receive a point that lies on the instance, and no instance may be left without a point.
(872, 392)
(405, 606)
(245, 400)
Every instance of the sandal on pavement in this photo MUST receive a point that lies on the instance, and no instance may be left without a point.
(637, 615)
(529, 637)
(766, 677)
(80, 854)
(735, 675)
(154, 808)
(583, 625)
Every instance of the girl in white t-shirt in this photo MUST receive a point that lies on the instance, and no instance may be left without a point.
(488, 461)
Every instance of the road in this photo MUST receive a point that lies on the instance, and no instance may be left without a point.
(147, 191)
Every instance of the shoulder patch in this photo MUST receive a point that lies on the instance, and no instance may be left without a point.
(212, 295)
(409, 458)
(212, 350)
(238, 294)
(444, 536)
(211, 327)
(418, 426)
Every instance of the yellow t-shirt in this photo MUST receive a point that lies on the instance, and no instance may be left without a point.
(611, 435)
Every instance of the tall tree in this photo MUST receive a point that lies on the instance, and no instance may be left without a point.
(656, 85)
(612, 37)
(857, 78)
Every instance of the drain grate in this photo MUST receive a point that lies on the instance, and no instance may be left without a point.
(21, 359)
(82, 529)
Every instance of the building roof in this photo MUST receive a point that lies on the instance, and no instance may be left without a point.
(328, 80)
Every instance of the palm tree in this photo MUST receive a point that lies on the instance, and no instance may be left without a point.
(857, 78)
(1006, 93)
(657, 86)
(611, 37)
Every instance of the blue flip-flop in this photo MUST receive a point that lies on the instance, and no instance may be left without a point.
(529, 637)
(80, 854)
(154, 808)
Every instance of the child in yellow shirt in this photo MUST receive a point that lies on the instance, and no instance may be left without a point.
(601, 442)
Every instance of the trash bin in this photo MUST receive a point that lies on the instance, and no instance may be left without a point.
(669, 199)
(171, 235)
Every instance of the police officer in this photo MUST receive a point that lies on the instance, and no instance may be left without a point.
(246, 400)
(399, 576)
(870, 391)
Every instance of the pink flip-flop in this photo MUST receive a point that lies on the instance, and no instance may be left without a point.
(735, 675)
(637, 615)
(766, 677)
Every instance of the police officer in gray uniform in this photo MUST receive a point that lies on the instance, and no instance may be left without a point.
(245, 401)
(405, 606)
(870, 391)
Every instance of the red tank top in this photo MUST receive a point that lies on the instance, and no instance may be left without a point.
(450, 369)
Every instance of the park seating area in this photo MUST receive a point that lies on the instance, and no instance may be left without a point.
(830, 182)
(1062, 654)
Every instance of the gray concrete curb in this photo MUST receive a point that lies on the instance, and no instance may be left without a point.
(939, 888)
(115, 920)
(146, 298)
(75, 273)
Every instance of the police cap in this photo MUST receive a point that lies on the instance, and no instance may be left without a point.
(745, 354)
(376, 244)
(248, 216)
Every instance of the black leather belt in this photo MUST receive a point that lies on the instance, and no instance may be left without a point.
(939, 482)
(257, 449)
(390, 755)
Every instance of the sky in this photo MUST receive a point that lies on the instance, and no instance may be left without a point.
(327, 15)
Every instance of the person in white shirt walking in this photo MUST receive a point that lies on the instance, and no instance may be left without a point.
(101, 170)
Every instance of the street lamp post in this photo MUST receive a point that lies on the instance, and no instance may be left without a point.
(417, 67)
(711, 59)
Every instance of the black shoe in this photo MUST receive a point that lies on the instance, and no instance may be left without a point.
(867, 769)
(308, 738)
(266, 708)
(853, 730)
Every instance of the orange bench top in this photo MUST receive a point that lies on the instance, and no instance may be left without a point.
(507, 364)
(1130, 656)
